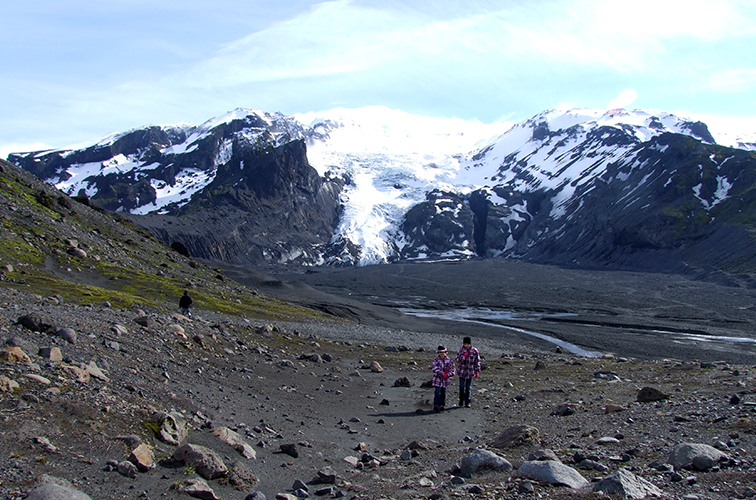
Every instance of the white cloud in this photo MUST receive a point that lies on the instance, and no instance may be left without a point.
(6, 149)
(478, 58)
(735, 80)
(623, 100)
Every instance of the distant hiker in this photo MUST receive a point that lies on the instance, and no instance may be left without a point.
(185, 302)
(443, 371)
(468, 368)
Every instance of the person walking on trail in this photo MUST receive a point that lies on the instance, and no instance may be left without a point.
(468, 368)
(443, 371)
(185, 302)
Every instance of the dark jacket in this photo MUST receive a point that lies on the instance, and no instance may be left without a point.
(185, 301)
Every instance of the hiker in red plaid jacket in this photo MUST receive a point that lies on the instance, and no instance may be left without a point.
(443, 371)
(468, 368)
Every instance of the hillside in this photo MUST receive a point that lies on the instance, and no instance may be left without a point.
(54, 245)
(107, 392)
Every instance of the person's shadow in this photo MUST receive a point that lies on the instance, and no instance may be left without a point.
(415, 413)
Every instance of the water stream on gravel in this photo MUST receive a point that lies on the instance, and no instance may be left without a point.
(486, 316)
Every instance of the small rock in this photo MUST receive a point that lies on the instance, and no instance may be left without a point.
(51, 354)
(8, 385)
(79, 374)
(402, 382)
(564, 410)
(143, 458)
(128, 469)
(67, 334)
(327, 476)
(14, 355)
(142, 321)
(517, 435)
(198, 488)
(290, 449)
(525, 487)
(233, 439)
(119, 329)
(37, 378)
(607, 440)
(172, 427)
(650, 395)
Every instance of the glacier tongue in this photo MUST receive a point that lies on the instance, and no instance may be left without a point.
(392, 159)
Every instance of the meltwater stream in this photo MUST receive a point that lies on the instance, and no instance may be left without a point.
(479, 315)
(485, 316)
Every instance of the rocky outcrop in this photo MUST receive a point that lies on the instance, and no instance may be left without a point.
(262, 206)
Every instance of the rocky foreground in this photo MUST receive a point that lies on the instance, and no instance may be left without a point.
(99, 402)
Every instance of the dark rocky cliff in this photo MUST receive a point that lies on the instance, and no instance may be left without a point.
(264, 206)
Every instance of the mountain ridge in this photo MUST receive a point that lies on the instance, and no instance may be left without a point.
(358, 192)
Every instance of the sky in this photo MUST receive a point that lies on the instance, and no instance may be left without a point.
(78, 70)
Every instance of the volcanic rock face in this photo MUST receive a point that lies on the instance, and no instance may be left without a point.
(265, 206)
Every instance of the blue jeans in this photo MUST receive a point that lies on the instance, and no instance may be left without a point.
(439, 398)
(465, 385)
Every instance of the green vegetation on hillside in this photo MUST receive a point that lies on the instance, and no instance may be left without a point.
(53, 245)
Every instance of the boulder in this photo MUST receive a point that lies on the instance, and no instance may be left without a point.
(52, 354)
(650, 395)
(564, 410)
(290, 449)
(695, 456)
(198, 488)
(172, 427)
(142, 457)
(402, 382)
(8, 385)
(237, 442)
(483, 459)
(14, 355)
(79, 374)
(67, 334)
(517, 435)
(552, 472)
(36, 323)
(543, 455)
(52, 491)
(205, 461)
(626, 484)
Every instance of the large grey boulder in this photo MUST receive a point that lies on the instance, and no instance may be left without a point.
(483, 459)
(628, 485)
(552, 472)
(205, 461)
(696, 456)
(53, 491)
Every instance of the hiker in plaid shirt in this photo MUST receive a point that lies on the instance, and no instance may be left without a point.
(468, 368)
(443, 371)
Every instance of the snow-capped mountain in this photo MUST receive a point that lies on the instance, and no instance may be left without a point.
(374, 185)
